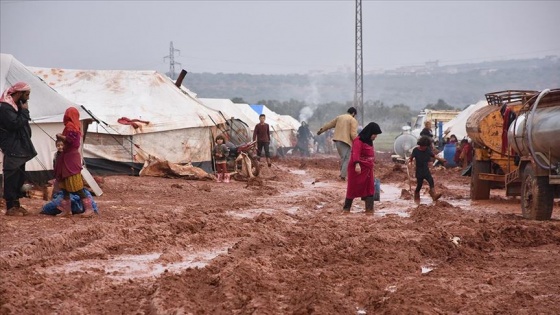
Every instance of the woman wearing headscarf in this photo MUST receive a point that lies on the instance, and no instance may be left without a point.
(15, 143)
(68, 165)
(360, 168)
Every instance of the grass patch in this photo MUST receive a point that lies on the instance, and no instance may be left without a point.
(385, 141)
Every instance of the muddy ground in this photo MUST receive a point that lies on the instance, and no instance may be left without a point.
(282, 246)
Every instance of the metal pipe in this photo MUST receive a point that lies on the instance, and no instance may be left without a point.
(181, 78)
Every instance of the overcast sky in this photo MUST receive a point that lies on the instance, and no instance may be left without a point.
(274, 37)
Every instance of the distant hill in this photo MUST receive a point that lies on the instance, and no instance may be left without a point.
(458, 85)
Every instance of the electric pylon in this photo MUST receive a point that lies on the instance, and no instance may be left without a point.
(172, 60)
(359, 71)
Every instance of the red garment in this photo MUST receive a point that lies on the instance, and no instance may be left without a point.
(132, 122)
(457, 156)
(505, 127)
(69, 162)
(360, 185)
(71, 121)
(467, 153)
(261, 133)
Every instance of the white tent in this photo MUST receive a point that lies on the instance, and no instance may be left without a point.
(240, 132)
(458, 125)
(46, 108)
(140, 114)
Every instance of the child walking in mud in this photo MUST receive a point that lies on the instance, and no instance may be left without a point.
(221, 152)
(423, 155)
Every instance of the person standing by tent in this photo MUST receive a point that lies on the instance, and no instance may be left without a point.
(360, 168)
(465, 154)
(261, 134)
(303, 137)
(68, 165)
(221, 152)
(15, 143)
(345, 131)
(427, 131)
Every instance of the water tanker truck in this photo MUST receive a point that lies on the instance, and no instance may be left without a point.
(516, 140)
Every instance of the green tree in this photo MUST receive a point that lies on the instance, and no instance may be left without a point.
(440, 105)
(239, 100)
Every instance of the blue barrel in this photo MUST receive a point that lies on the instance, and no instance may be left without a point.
(449, 153)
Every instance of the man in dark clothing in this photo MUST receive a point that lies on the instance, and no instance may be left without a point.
(15, 143)
(423, 155)
(261, 134)
(303, 137)
(427, 131)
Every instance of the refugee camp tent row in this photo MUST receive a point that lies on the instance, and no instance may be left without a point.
(46, 108)
(283, 127)
(138, 115)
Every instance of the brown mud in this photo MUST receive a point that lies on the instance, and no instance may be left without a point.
(280, 245)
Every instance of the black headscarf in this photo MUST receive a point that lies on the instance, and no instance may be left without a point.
(371, 129)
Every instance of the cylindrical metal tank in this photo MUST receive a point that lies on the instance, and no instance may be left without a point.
(484, 127)
(545, 133)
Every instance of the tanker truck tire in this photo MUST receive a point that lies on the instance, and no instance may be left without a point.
(536, 196)
(480, 189)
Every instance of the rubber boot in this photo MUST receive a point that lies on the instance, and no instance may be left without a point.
(226, 178)
(435, 196)
(20, 209)
(347, 205)
(65, 207)
(88, 208)
(369, 205)
(219, 177)
(417, 197)
(13, 208)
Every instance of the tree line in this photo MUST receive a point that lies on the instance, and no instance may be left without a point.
(392, 117)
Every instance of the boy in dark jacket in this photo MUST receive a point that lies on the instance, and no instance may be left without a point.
(423, 155)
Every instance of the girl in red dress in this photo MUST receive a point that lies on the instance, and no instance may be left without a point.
(68, 166)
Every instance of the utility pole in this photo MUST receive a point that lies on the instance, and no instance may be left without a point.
(359, 71)
(172, 60)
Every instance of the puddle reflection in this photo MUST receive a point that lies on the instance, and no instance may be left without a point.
(125, 267)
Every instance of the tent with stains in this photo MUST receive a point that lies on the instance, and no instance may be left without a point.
(283, 128)
(138, 115)
(46, 108)
(240, 118)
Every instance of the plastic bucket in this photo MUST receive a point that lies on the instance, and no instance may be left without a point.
(449, 153)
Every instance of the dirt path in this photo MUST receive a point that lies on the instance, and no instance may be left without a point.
(282, 246)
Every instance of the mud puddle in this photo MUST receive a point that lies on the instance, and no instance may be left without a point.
(151, 265)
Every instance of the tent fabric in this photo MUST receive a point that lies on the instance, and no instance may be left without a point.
(143, 95)
(239, 132)
(230, 109)
(46, 108)
(458, 125)
(170, 124)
